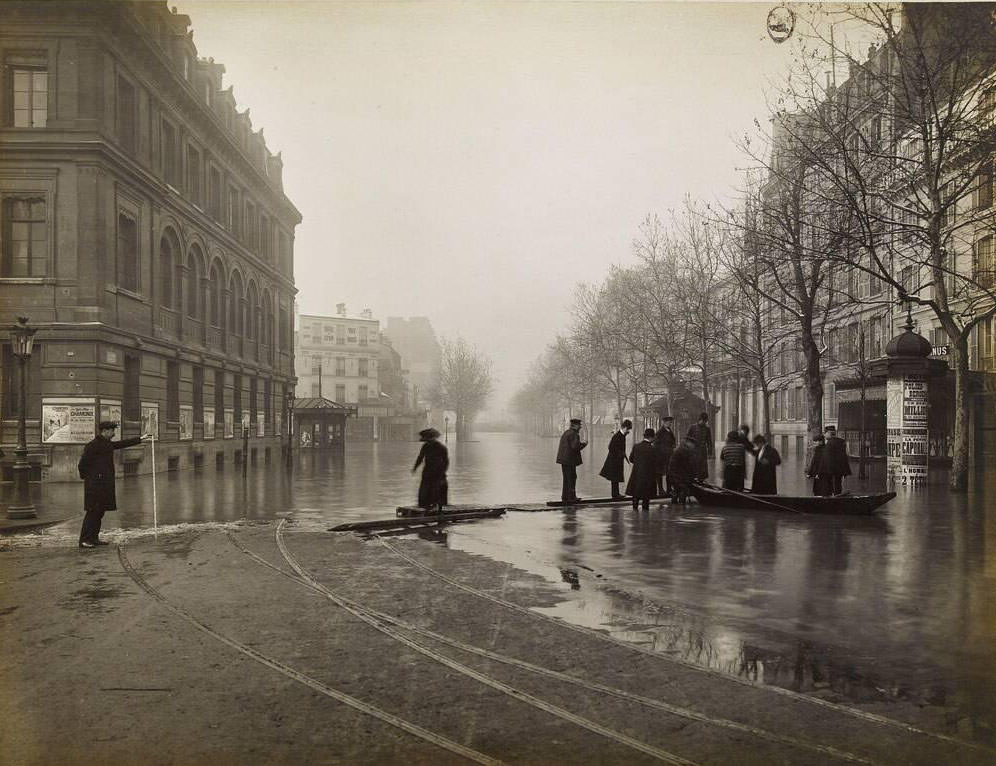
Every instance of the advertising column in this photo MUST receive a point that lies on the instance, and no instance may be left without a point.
(906, 423)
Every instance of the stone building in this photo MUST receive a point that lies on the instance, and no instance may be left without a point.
(146, 234)
(415, 340)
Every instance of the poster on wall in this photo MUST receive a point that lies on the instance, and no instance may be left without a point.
(68, 421)
(229, 422)
(245, 422)
(110, 409)
(260, 424)
(150, 419)
(186, 422)
(208, 424)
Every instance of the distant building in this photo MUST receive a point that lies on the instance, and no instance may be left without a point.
(145, 233)
(339, 357)
(415, 340)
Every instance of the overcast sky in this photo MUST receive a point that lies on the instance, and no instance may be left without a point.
(472, 161)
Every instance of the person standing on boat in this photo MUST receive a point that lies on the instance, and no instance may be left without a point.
(643, 479)
(612, 468)
(681, 470)
(433, 490)
(743, 436)
(569, 458)
(821, 483)
(835, 464)
(734, 459)
(664, 444)
(763, 480)
(702, 435)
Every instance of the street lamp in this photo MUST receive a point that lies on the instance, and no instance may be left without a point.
(21, 507)
(446, 429)
(290, 424)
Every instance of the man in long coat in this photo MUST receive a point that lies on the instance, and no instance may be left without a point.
(612, 468)
(569, 458)
(835, 464)
(664, 444)
(643, 479)
(764, 480)
(96, 468)
(705, 450)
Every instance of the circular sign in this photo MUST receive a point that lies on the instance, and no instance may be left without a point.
(781, 23)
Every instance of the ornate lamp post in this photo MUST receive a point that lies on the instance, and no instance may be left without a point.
(446, 427)
(21, 507)
(290, 425)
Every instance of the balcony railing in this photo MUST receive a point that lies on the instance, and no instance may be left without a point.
(215, 338)
(193, 330)
(169, 321)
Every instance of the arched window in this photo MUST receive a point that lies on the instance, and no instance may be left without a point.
(214, 297)
(167, 263)
(194, 271)
(252, 312)
(235, 305)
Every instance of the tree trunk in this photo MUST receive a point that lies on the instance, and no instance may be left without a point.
(959, 464)
(814, 384)
(766, 409)
(862, 430)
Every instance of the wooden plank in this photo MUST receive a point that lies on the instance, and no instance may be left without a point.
(404, 521)
(593, 501)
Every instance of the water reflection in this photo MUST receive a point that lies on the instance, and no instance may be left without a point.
(902, 606)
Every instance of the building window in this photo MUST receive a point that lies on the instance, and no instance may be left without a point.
(25, 237)
(340, 366)
(266, 238)
(127, 252)
(361, 395)
(166, 272)
(985, 190)
(214, 194)
(131, 402)
(173, 392)
(126, 122)
(219, 396)
(234, 212)
(194, 181)
(340, 392)
(252, 232)
(237, 399)
(282, 340)
(28, 96)
(985, 268)
(171, 159)
(364, 371)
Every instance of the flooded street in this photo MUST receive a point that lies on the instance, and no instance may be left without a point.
(897, 607)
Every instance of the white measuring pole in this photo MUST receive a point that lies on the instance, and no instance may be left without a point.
(155, 502)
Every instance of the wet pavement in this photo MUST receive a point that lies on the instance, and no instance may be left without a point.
(901, 607)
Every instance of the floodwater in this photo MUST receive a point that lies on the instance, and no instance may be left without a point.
(897, 608)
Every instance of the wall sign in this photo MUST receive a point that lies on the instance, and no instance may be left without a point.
(68, 421)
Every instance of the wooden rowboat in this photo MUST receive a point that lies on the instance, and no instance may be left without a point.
(843, 505)
(587, 501)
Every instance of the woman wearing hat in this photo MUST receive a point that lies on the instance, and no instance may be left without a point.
(433, 490)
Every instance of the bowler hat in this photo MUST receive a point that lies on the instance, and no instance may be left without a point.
(831, 428)
(104, 424)
(428, 433)
(667, 418)
(575, 421)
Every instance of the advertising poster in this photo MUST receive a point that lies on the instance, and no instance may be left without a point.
(68, 421)
(186, 422)
(260, 424)
(208, 424)
(229, 422)
(110, 409)
(150, 419)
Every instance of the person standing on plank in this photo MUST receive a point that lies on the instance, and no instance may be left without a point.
(96, 468)
(433, 491)
(569, 458)
(835, 465)
(664, 444)
(612, 468)
(643, 480)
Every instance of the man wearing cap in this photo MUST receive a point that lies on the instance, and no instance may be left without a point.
(96, 468)
(569, 457)
(834, 464)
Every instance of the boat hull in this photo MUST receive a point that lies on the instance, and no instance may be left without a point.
(841, 505)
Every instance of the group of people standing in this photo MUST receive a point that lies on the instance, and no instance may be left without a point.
(829, 464)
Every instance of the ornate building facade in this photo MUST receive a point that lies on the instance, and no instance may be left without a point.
(146, 234)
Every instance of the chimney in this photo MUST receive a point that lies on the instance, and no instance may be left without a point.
(366, 314)
(340, 309)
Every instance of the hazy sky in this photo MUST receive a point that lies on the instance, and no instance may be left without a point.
(472, 161)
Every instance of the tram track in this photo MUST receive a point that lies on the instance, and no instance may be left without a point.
(296, 675)
(301, 577)
(816, 701)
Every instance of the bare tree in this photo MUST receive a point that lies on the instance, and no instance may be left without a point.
(465, 383)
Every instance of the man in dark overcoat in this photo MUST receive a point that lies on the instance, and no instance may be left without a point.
(433, 490)
(664, 444)
(612, 468)
(835, 464)
(704, 448)
(96, 468)
(569, 458)
(642, 483)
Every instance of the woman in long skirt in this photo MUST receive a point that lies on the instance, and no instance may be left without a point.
(433, 491)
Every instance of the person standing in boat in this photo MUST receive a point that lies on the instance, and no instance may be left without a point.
(763, 480)
(821, 483)
(743, 436)
(643, 479)
(836, 464)
(569, 458)
(702, 435)
(681, 470)
(664, 444)
(612, 468)
(733, 456)
(433, 490)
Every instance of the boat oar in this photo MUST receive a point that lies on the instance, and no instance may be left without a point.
(752, 498)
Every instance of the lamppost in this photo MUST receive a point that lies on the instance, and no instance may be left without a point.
(290, 426)
(21, 507)
(446, 429)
